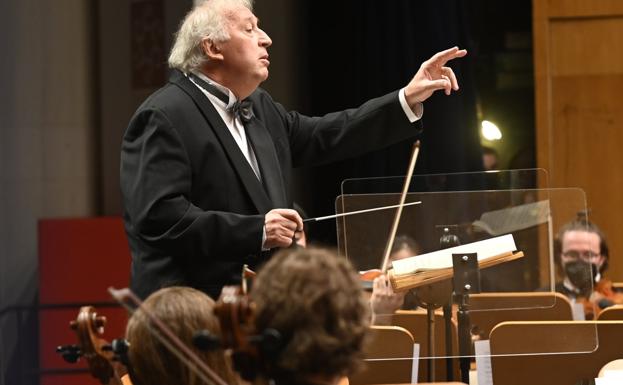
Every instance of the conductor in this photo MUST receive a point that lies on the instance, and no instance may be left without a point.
(206, 160)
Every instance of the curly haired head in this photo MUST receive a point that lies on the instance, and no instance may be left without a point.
(185, 311)
(314, 299)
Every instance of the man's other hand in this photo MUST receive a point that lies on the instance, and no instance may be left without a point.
(280, 226)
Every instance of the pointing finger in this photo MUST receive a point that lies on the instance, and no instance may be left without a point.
(441, 58)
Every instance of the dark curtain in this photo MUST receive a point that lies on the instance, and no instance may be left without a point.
(359, 49)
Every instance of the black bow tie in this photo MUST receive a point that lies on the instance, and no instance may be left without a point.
(242, 110)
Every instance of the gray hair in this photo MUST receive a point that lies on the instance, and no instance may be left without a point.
(206, 21)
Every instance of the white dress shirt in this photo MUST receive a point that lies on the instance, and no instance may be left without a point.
(233, 123)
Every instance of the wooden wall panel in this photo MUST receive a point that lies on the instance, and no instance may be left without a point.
(578, 54)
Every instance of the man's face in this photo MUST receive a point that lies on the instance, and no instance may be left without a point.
(581, 246)
(245, 55)
(402, 254)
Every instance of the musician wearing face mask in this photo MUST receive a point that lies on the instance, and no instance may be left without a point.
(582, 253)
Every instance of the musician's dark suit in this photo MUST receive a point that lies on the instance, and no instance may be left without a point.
(194, 209)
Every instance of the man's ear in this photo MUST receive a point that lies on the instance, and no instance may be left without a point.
(211, 49)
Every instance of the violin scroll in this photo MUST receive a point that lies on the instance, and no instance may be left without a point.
(101, 356)
(251, 350)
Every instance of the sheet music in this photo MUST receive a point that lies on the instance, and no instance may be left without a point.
(608, 380)
(577, 311)
(416, 363)
(514, 218)
(442, 259)
(482, 349)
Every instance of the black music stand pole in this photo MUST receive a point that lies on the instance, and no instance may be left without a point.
(466, 280)
(445, 241)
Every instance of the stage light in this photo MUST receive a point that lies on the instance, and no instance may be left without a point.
(490, 131)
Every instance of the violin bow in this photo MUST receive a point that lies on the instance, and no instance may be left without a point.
(403, 196)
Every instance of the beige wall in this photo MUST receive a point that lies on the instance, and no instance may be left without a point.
(47, 133)
(118, 99)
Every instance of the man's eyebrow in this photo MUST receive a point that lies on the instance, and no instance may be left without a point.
(252, 19)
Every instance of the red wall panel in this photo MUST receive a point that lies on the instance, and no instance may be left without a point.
(79, 258)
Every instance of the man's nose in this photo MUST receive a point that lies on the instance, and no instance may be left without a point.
(265, 40)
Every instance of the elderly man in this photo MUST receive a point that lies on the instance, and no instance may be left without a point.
(206, 161)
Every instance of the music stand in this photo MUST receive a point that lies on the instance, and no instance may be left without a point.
(530, 215)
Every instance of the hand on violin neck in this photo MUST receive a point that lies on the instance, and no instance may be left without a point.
(282, 227)
(384, 301)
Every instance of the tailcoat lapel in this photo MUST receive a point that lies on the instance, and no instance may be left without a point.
(253, 186)
(266, 155)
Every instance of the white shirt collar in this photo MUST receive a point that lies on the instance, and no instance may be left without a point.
(232, 98)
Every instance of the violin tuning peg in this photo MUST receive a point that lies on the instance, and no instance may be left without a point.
(121, 347)
(107, 348)
(271, 343)
(100, 321)
(73, 325)
(70, 353)
(206, 341)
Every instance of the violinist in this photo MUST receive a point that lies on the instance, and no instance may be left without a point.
(206, 161)
(582, 253)
(384, 301)
(184, 311)
(313, 298)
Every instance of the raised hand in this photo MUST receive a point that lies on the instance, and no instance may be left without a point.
(433, 75)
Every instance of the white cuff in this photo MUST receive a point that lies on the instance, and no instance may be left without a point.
(264, 238)
(412, 115)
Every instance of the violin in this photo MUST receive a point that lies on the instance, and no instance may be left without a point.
(252, 351)
(236, 312)
(370, 275)
(105, 360)
(606, 290)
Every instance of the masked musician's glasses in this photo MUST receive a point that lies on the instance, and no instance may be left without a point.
(584, 255)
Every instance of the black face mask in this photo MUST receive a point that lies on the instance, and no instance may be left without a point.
(582, 275)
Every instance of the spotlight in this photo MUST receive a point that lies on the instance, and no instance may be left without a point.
(490, 131)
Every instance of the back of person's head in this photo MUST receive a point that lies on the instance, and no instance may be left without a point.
(184, 311)
(404, 246)
(208, 20)
(314, 300)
